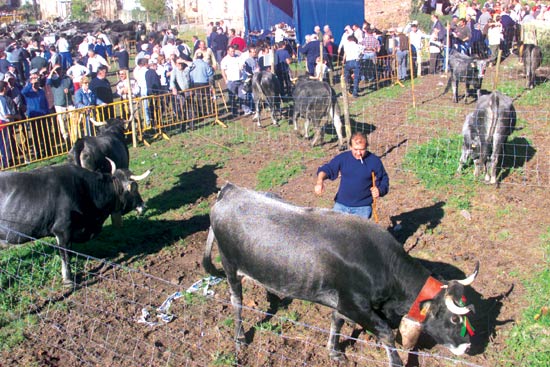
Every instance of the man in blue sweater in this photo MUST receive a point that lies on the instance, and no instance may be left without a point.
(355, 167)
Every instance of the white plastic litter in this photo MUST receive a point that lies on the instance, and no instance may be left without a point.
(162, 310)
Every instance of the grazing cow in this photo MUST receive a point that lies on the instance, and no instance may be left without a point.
(465, 69)
(532, 58)
(341, 261)
(90, 152)
(315, 100)
(485, 131)
(65, 201)
(266, 87)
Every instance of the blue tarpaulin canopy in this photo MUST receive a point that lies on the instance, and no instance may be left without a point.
(303, 15)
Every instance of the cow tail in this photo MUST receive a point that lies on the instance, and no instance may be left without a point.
(207, 259)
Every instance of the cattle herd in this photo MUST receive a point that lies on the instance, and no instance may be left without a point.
(336, 260)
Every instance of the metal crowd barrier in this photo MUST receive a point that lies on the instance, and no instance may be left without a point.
(41, 138)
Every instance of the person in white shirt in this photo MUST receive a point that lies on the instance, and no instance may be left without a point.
(76, 72)
(94, 61)
(352, 54)
(416, 37)
(347, 32)
(231, 69)
(280, 33)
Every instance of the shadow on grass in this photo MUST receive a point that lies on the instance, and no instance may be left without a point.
(410, 221)
(517, 153)
(192, 185)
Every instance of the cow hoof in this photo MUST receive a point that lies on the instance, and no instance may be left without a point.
(275, 123)
(342, 148)
(336, 355)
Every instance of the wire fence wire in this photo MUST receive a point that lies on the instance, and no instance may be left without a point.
(97, 323)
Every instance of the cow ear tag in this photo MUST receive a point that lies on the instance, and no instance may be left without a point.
(129, 187)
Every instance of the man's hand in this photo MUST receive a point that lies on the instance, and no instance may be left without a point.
(320, 188)
(374, 192)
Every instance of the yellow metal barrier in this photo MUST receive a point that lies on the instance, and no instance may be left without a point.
(386, 69)
(40, 138)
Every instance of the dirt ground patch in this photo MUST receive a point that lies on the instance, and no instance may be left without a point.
(96, 324)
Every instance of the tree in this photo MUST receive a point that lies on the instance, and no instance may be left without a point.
(155, 8)
(78, 10)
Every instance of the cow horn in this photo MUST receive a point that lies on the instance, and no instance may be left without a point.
(141, 177)
(469, 280)
(458, 310)
(113, 165)
(97, 123)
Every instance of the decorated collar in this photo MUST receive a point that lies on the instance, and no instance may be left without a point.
(430, 289)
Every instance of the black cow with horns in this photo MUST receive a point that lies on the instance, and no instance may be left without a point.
(65, 201)
(341, 261)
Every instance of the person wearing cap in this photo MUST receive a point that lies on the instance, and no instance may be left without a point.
(85, 97)
(180, 81)
(63, 90)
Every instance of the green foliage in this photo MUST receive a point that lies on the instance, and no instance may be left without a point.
(280, 172)
(436, 161)
(269, 327)
(529, 339)
(223, 359)
(79, 10)
(27, 271)
(154, 8)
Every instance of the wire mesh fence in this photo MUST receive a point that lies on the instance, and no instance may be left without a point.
(110, 318)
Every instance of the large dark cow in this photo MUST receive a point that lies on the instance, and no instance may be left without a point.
(90, 152)
(485, 131)
(465, 69)
(314, 101)
(341, 261)
(266, 88)
(532, 58)
(65, 201)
